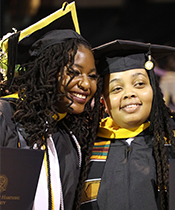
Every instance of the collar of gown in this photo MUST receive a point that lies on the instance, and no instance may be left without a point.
(108, 129)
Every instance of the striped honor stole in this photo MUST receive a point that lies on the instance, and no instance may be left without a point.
(98, 160)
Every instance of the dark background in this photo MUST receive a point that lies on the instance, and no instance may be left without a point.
(101, 20)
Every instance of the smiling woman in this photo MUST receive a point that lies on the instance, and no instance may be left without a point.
(56, 86)
(56, 83)
(83, 85)
(128, 97)
(129, 163)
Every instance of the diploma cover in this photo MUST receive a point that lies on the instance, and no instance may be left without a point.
(19, 174)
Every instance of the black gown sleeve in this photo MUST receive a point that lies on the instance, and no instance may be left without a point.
(8, 132)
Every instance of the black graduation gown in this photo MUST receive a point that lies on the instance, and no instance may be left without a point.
(127, 178)
(69, 168)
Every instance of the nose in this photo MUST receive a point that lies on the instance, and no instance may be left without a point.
(84, 83)
(129, 93)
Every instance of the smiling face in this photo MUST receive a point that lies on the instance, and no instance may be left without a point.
(128, 97)
(83, 86)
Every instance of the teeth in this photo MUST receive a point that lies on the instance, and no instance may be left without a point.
(79, 95)
(133, 105)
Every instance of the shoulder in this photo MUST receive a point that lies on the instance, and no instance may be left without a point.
(8, 105)
(6, 111)
(9, 136)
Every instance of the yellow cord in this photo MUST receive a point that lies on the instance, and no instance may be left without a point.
(45, 162)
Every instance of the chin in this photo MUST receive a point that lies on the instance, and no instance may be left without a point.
(77, 110)
(134, 124)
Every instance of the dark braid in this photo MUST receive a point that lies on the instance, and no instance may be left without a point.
(161, 128)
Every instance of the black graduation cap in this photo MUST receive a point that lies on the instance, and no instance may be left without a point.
(48, 39)
(122, 55)
(17, 45)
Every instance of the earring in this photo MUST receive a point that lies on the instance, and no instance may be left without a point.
(103, 102)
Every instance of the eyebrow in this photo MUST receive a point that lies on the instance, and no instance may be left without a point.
(115, 79)
(139, 73)
(134, 75)
(81, 67)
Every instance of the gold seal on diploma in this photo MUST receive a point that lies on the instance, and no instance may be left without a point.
(3, 183)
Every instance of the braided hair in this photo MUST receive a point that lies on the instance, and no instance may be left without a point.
(163, 134)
